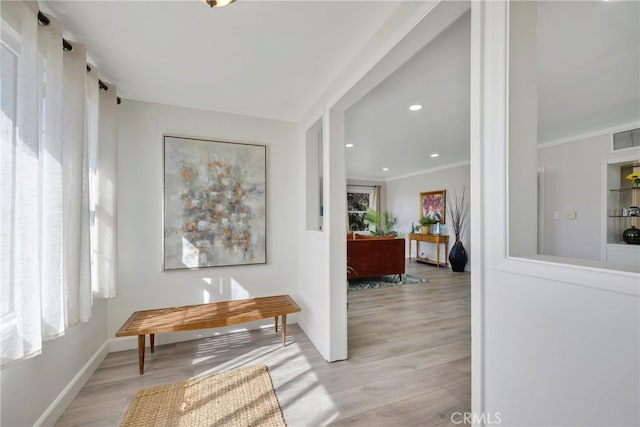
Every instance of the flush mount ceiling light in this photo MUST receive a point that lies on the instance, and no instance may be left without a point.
(349, 145)
(385, 169)
(434, 155)
(217, 3)
(415, 107)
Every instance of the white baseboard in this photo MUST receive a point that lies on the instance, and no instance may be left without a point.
(55, 410)
(122, 344)
(314, 337)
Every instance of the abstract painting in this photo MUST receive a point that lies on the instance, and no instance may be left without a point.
(432, 205)
(214, 203)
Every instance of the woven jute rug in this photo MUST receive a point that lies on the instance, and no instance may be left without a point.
(241, 397)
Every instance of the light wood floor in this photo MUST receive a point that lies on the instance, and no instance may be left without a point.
(409, 362)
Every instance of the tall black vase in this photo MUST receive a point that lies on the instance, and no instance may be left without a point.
(458, 257)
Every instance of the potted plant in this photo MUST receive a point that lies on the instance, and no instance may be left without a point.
(382, 223)
(458, 208)
(425, 223)
(389, 221)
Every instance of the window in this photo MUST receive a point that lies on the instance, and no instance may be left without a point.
(358, 202)
(47, 140)
(9, 67)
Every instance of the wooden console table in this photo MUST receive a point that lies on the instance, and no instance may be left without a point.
(437, 240)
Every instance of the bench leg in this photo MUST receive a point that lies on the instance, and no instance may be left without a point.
(141, 353)
(152, 338)
(284, 330)
(276, 322)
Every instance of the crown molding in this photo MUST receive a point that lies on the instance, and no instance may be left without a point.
(431, 170)
(601, 132)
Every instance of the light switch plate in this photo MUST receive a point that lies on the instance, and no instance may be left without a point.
(571, 215)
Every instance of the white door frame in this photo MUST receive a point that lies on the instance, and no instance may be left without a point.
(489, 203)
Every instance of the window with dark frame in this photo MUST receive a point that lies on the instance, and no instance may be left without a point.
(357, 205)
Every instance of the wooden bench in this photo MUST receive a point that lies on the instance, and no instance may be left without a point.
(201, 316)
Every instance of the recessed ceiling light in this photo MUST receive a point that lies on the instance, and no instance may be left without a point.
(385, 169)
(349, 145)
(415, 107)
(434, 155)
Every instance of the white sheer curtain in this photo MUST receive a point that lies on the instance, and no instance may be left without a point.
(92, 118)
(78, 295)
(105, 262)
(51, 178)
(21, 324)
(376, 198)
(57, 184)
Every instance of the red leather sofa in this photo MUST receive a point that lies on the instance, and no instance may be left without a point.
(370, 256)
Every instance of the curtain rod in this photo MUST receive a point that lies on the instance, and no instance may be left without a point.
(362, 185)
(67, 47)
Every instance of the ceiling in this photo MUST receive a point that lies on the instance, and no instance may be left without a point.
(386, 134)
(588, 67)
(269, 59)
(273, 59)
(588, 80)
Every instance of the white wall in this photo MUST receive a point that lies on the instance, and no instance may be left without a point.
(572, 183)
(143, 284)
(403, 199)
(336, 201)
(30, 387)
(560, 353)
(317, 292)
(552, 344)
(322, 274)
